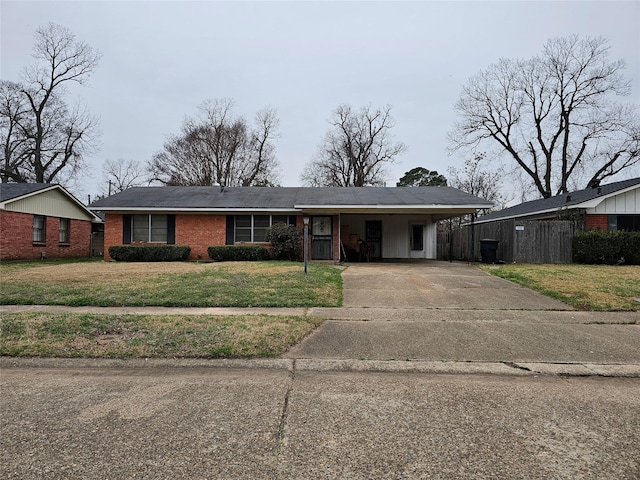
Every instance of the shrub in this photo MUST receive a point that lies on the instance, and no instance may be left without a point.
(598, 247)
(149, 253)
(285, 241)
(238, 253)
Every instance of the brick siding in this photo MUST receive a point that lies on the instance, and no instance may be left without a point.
(200, 232)
(195, 231)
(597, 222)
(16, 233)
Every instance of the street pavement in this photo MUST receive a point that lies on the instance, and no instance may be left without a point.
(467, 376)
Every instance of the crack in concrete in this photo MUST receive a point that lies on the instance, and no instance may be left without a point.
(285, 410)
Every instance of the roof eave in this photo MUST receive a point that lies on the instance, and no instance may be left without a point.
(457, 209)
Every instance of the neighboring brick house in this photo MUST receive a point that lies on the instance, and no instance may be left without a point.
(614, 206)
(41, 220)
(394, 222)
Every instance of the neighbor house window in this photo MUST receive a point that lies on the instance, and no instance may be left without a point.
(149, 228)
(253, 228)
(63, 230)
(38, 229)
(629, 223)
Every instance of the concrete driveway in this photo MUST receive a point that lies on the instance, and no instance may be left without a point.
(434, 284)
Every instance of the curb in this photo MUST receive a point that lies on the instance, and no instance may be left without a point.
(345, 366)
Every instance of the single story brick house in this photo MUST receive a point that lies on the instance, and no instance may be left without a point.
(395, 222)
(42, 220)
(614, 206)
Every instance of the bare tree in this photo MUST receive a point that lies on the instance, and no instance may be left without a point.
(355, 150)
(122, 174)
(217, 148)
(13, 112)
(479, 180)
(554, 115)
(50, 138)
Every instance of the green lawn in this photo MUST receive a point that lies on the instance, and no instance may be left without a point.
(586, 287)
(186, 284)
(180, 284)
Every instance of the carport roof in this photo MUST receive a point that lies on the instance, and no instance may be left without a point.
(292, 199)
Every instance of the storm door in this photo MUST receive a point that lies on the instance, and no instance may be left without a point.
(321, 245)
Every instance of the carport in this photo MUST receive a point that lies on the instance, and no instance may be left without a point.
(392, 223)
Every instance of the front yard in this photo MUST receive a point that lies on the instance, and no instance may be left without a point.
(181, 284)
(170, 284)
(586, 287)
(241, 284)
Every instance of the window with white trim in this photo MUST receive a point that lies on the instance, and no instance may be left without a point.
(253, 228)
(39, 228)
(63, 230)
(148, 228)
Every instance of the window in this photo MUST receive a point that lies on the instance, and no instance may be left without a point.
(38, 229)
(629, 223)
(321, 226)
(417, 240)
(253, 228)
(63, 230)
(148, 228)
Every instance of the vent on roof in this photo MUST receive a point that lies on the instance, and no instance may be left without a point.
(568, 198)
(595, 183)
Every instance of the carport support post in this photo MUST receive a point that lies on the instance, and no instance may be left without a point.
(473, 238)
(305, 220)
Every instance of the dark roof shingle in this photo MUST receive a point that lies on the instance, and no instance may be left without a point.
(10, 191)
(566, 200)
(282, 197)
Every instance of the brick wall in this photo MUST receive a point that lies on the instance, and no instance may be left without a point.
(112, 232)
(200, 232)
(16, 233)
(195, 231)
(336, 238)
(597, 222)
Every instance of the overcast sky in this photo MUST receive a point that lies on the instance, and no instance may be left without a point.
(162, 59)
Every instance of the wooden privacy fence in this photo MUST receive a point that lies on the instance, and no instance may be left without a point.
(519, 241)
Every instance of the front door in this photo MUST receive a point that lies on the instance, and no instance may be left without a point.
(321, 245)
(373, 237)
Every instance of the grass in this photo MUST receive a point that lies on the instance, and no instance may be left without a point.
(183, 284)
(150, 336)
(585, 287)
(177, 284)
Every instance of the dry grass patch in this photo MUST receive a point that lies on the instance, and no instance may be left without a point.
(144, 336)
(586, 287)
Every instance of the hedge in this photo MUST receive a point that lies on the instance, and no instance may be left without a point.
(149, 253)
(610, 248)
(238, 253)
